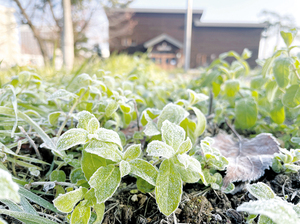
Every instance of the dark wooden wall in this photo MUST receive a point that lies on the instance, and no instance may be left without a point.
(205, 40)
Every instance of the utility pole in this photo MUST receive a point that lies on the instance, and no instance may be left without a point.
(68, 37)
(188, 34)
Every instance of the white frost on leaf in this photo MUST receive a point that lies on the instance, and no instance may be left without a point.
(158, 148)
(124, 168)
(144, 170)
(172, 134)
(261, 191)
(71, 138)
(107, 135)
(9, 189)
(84, 118)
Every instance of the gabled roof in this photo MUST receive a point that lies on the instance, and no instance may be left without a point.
(233, 25)
(161, 38)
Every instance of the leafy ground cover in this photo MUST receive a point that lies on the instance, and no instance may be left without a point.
(135, 145)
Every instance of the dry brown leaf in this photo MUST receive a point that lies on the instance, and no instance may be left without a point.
(247, 159)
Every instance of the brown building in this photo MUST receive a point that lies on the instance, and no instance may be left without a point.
(161, 33)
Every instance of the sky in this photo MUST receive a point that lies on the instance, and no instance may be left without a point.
(229, 10)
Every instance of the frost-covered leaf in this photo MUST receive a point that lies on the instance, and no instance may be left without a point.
(249, 162)
(111, 108)
(289, 36)
(196, 97)
(84, 118)
(185, 146)
(232, 86)
(144, 170)
(81, 214)
(149, 114)
(72, 137)
(124, 168)
(2, 221)
(271, 89)
(150, 128)
(192, 169)
(132, 152)
(172, 134)
(53, 117)
(27, 218)
(9, 189)
(172, 113)
(158, 148)
(261, 191)
(99, 209)
(107, 135)
(201, 122)
(276, 209)
(62, 94)
(90, 163)
(93, 125)
(66, 202)
(106, 150)
(168, 188)
(105, 181)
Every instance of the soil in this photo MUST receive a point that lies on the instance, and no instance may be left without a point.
(199, 204)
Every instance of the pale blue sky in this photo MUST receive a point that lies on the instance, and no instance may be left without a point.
(229, 10)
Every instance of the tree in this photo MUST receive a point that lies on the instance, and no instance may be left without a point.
(52, 11)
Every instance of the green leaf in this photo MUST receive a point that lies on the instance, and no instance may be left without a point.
(185, 146)
(99, 209)
(106, 135)
(144, 170)
(72, 137)
(144, 186)
(168, 188)
(196, 97)
(192, 169)
(261, 191)
(174, 113)
(257, 82)
(124, 168)
(81, 213)
(1, 220)
(27, 218)
(172, 134)
(291, 98)
(53, 117)
(279, 211)
(27, 207)
(267, 66)
(105, 150)
(271, 89)
(246, 54)
(132, 152)
(84, 118)
(66, 202)
(105, 181)
(232, 86)
(201, 122)
(158, 148)
(288, 37)
(93, 125)
(36, 199)
(62, 94)
(281, 71)
(90, 163)
(265, 220)
(245, 113)
(58, 175)
(9, 189)
(111, 108)
(76, 175)
(150, 129)
(277, 113)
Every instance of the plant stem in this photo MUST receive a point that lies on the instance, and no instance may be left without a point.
(31, 142)
(55, 182)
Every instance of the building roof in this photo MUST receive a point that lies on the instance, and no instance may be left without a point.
(146, 10)
(233, 25)
(162, 37)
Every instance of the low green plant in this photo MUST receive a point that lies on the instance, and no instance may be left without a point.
(271, 208)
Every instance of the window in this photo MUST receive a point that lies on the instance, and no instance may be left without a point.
(126, 41)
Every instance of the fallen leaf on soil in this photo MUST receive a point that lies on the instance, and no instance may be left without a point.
(247, 159)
